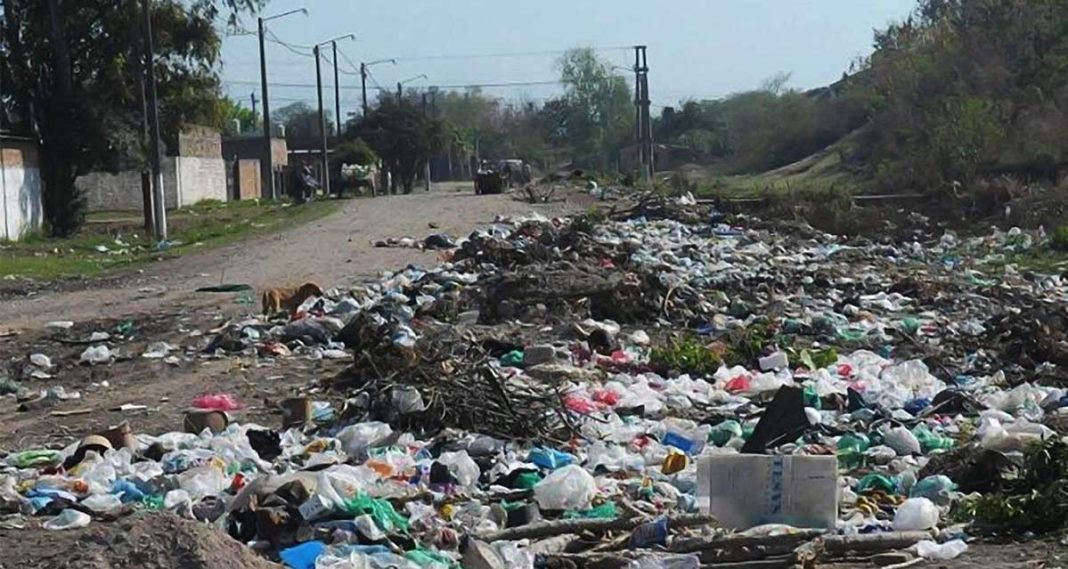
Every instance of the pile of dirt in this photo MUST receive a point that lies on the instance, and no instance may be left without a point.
(157, 541)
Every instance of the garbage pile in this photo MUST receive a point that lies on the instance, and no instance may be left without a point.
(644, 392)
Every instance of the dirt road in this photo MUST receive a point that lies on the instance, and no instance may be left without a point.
(334, 251)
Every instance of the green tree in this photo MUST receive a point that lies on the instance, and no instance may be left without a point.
(231, 111)
(302, 121)
(600, 117)
(402, 135)
(69, 70)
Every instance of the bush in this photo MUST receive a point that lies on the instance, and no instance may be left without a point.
(687, 355)
(1059, 238)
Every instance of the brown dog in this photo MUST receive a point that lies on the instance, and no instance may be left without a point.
(289, 299)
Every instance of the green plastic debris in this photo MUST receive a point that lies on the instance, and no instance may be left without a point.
(851, 450)
(606, 510)
(810, 397)
(527, 480)
(512, 359)
(8, 386)
(34, 458)
(851, 334)
(381, 511)
(931, 441)
(910, 325)
(819, 359)
(427, 558)
(124, 328)
(153, 503)
(245, 299)
(876, 482)
(722, 433)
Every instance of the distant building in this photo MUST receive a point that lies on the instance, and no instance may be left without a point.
(242, 155)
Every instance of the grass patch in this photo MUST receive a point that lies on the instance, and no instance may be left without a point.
(116, 240)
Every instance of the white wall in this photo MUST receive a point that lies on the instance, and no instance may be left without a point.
(20, 193)
(200, 179)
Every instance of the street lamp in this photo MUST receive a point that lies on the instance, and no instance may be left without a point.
(363, 78)
(267, 163)
(401, 84)
(322, 113)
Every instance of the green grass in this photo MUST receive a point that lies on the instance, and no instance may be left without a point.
(822, 171)
(201, 226)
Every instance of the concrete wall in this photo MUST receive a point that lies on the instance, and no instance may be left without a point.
(200, 179)
(122, 191)
(20, 188)
(198, 173)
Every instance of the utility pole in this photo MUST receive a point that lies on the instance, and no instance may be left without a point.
(148, 209)
(400, 89)
(267, 187)
(638, 109)
(253, 105)
(426, 165)
(270, 190)
(363, 86)
(159, 204)
(643, 126)
(322, 123)
(647, 121)
(337, 93)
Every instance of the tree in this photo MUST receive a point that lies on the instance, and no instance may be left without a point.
(231, 111)
(70, 68)
(302, 121)
(601, 114)
(402, 135)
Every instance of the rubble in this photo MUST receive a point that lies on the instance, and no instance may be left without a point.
(547, 394)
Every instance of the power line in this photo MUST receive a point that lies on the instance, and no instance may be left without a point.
(500, 55)
(505, 84)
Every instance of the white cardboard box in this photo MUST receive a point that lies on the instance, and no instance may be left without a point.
(748, 490)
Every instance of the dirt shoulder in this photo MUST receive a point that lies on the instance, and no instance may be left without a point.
(334, 251)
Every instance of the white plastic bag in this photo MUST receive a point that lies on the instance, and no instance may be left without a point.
(461, 466)
(902, 441)
(103, 503)
(916, 514)
(356, 439)
(567, 488)
(941, 551)
(68, 519)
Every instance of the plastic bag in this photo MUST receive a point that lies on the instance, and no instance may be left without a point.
(937, 488)
(916, 514)
(381, 511)
(941, 552)
(216, 402)
(356, 439)
(461, 466)
(68, 519)
(569, 488)
(103, 503)
(902, 441)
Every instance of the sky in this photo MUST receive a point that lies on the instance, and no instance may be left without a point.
(697, 49)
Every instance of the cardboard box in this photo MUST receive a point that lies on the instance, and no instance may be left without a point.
(749, 490)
